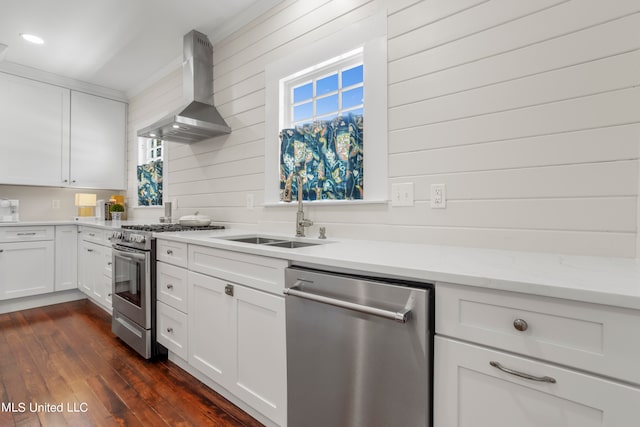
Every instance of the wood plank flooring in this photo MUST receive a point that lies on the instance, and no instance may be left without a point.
(66, 354)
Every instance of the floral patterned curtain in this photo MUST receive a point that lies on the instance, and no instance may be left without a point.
(150, 184)
(328, 156)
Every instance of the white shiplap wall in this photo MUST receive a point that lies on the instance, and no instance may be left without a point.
(528, 111)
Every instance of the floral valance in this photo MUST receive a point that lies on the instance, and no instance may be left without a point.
(328, 156)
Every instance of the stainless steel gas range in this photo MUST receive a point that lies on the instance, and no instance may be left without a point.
(134, 285)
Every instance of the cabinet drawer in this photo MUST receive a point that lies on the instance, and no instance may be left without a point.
(172, 329)
(470, 391)
(596, 338)
(26, 234)
(172, 286)
(263, 273)
(172, 252)
(95, 235)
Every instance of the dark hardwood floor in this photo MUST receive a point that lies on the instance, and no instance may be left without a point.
(65, 357)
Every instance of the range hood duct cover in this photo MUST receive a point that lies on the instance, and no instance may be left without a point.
(198, 119)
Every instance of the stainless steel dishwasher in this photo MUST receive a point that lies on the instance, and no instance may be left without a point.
(359, 350)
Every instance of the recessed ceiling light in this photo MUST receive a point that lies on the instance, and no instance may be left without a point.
(152, 135)
(32, 38)
(176, 126)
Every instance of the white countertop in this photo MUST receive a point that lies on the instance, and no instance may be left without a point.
(610, 281)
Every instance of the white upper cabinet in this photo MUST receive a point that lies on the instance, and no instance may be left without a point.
(98, 142)
(54, 136)
(34, 124)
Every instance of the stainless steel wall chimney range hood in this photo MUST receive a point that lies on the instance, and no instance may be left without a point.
(198, 119)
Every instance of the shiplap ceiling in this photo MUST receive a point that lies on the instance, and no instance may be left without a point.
(117, 44)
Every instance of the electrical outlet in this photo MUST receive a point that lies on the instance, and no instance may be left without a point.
(55, 204)
(402, 194)
(438, 196)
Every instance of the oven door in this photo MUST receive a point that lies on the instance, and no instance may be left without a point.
(131, 284)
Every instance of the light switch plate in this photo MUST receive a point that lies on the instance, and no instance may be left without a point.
(402, 194)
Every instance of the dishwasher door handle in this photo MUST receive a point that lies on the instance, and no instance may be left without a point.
(401, 316)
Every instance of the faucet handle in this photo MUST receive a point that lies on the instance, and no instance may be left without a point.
(323, 233)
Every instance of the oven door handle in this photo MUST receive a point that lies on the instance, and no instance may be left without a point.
(129, 255)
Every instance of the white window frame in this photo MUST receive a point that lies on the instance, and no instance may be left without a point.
(370, 35)
(311, 75)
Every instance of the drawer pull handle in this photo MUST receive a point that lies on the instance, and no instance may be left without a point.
(520, 325)
(27, 234)
(169, 286)
(170, 330)
(92, 234)
(522, 374)
(169, 252)
(109, 263)
(89, 250)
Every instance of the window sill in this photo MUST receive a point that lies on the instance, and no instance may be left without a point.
(325, 203)
(148, 207)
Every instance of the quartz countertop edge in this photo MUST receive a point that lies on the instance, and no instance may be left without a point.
(600, 280)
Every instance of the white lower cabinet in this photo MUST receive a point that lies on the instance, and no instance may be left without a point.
(470, 392)
(237, 338)
(171, 315)
(26, 268)
(505, 359)
(66, 257)
(94, 267)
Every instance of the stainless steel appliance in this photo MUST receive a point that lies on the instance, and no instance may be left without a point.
(197, 119)
(134, 285)
(359, 350)
(9, 210)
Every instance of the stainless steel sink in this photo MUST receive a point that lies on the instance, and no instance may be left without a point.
(257, 240)
(274, 241)
(292, 244)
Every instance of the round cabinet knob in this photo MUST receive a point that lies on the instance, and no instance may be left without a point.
(169, 286)
(169, 252)
(170, 330)
(520, 325)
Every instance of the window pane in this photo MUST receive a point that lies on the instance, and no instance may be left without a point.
(357, 111)
(302, 112)
(327, 105)
(302, 93)
(327, 84)
(352, 76)
(352, 97)
(329, 117)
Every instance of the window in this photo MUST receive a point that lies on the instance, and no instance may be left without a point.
(322, 138)
(320, 114)
(149, 171)
(334, 90)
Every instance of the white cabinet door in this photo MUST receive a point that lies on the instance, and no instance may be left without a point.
(26, 268)
(470, 392)
(66, 257)
(90, 269)
(260, 363)
(98, 142)
(209, 328)
(34, 124)
(236, 337)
